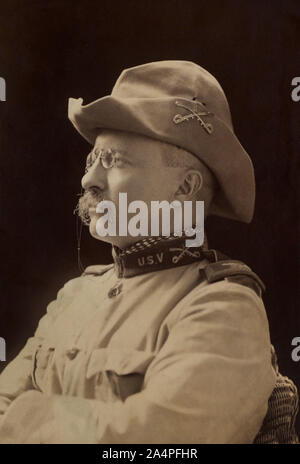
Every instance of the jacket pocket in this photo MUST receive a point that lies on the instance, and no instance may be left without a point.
(117, 373)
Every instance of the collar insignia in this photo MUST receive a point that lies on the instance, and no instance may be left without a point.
(184, 251)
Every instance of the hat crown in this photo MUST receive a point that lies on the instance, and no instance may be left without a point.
(165, 79)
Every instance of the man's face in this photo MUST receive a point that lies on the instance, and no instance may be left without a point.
(139, 171)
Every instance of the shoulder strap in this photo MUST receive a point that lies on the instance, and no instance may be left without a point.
(98, 269)
(233, 271)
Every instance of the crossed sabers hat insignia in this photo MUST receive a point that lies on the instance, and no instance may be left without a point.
(178, 118)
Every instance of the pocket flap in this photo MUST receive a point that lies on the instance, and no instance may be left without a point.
(122, 362)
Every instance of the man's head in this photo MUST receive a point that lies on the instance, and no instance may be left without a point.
(181, 104)
(146, 170)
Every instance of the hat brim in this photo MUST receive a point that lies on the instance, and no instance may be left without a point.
(221, 151)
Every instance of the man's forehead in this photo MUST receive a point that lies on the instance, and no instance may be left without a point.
(112, 140)
(123, 138)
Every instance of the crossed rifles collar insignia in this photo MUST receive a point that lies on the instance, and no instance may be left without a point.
(182, 252)
(193, 109)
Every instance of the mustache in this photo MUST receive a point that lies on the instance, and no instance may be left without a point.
(88, 199)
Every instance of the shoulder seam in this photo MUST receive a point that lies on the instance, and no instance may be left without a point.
(223, 269)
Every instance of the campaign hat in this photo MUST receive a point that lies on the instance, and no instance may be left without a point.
(180, 103)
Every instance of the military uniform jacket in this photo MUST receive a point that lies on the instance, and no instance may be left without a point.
(160, 357)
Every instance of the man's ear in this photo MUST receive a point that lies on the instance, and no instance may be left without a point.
(190, 186)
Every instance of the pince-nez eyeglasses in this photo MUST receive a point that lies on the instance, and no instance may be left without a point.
(108, 158)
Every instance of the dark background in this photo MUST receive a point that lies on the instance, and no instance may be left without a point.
(52, 50)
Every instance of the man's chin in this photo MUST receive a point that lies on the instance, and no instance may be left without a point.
(106, 238)
(94, 233)
(121, 242)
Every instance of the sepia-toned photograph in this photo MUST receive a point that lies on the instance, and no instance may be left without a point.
(149, 223)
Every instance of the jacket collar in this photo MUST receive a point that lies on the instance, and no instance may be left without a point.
(155, 254)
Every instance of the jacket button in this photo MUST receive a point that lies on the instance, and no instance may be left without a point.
(72, 353)
(114, 291)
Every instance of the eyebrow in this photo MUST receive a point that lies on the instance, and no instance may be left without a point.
(121, 151)
(114, 150)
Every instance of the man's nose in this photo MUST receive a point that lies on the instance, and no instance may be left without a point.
(94, 177)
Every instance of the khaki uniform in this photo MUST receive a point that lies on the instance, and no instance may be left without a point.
(167, 358)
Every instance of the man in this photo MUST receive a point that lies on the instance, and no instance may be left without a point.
(169, 344)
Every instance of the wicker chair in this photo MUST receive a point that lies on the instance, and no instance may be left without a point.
(279, 424)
